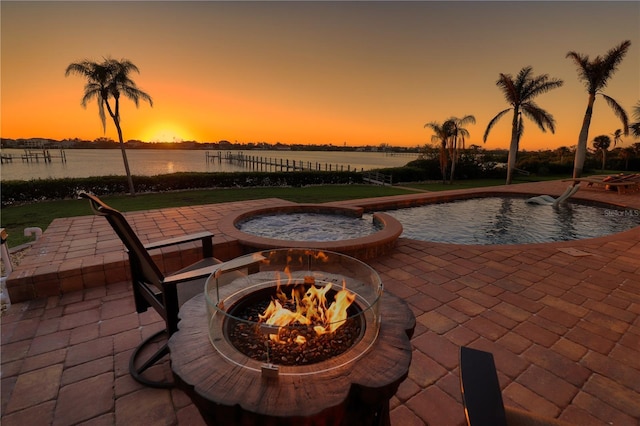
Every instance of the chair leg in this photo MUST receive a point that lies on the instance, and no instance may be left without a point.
(136, 372)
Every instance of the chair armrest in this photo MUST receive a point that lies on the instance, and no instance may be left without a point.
(219, 268)
(178, 240)
(206, 238)
(192, 274)
(481, 393)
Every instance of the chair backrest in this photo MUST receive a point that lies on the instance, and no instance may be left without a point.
(481, 394)
(144, 268)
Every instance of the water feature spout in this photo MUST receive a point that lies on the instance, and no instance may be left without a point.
(548, 200)
(33, 230)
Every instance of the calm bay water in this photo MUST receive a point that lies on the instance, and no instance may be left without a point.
(150, 162)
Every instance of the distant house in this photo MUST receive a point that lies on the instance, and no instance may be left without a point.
(10, 143)
(189, 145)
(224, 145)
(69, 143)
(37, 143)
(281, 147)
(135, 144)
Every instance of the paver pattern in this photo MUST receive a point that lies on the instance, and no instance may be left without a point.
(562, 320)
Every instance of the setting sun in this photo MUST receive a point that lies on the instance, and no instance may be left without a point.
(166, 132)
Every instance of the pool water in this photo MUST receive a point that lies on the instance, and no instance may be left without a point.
(305, 226)
(484, 221)
(510, 220)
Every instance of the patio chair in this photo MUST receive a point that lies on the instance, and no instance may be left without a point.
(151, 288)
(621, 182)
(482, 397)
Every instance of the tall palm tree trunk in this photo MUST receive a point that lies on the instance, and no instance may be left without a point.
(132, 190)
(443, 163)
(116, 120)
(453, 172)
(581, 149)
(513, 147)
(454, 159)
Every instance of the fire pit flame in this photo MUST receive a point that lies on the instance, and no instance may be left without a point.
(307, 305)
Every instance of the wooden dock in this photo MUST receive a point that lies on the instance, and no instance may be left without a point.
(268, 164)
(401, 154)
(377, 178)
(6, 158)
(44, 154)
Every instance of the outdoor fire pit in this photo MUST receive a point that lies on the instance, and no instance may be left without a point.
(281, 337)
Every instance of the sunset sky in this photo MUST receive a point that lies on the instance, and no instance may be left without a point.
(360, 73)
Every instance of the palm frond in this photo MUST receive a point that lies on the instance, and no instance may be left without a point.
(506, 84)
(433, 126)
(467, 119)
(619, 112)
(636, 111)
(612, 59)
(541, 85)
(582, 64)
(125, 66)
(493, 121)
(635, 127)
(617, 136)
(464, 133)
(135, 94)
(94, 91)
(542, 118)
(76, 68)
(523, 78)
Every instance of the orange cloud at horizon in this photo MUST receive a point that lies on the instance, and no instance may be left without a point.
(360, 73)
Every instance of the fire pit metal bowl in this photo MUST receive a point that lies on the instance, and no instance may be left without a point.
(293, 311)
(352, 386)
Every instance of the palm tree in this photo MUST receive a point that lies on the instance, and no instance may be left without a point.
(635, 127)
(617, 136)
(441, 136)
(519, 93)
(455, 130)
(602, 143)
(595, 74)
(106, 80)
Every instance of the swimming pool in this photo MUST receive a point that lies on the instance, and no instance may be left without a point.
(510, 220)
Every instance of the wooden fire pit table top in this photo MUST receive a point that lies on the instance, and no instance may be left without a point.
(352, 394)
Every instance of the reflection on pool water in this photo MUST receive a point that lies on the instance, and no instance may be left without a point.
(510, 220)
(303, 226)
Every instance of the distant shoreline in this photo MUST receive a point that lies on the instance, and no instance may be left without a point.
(40, 143)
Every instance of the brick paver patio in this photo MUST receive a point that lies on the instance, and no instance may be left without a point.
(562, 320)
